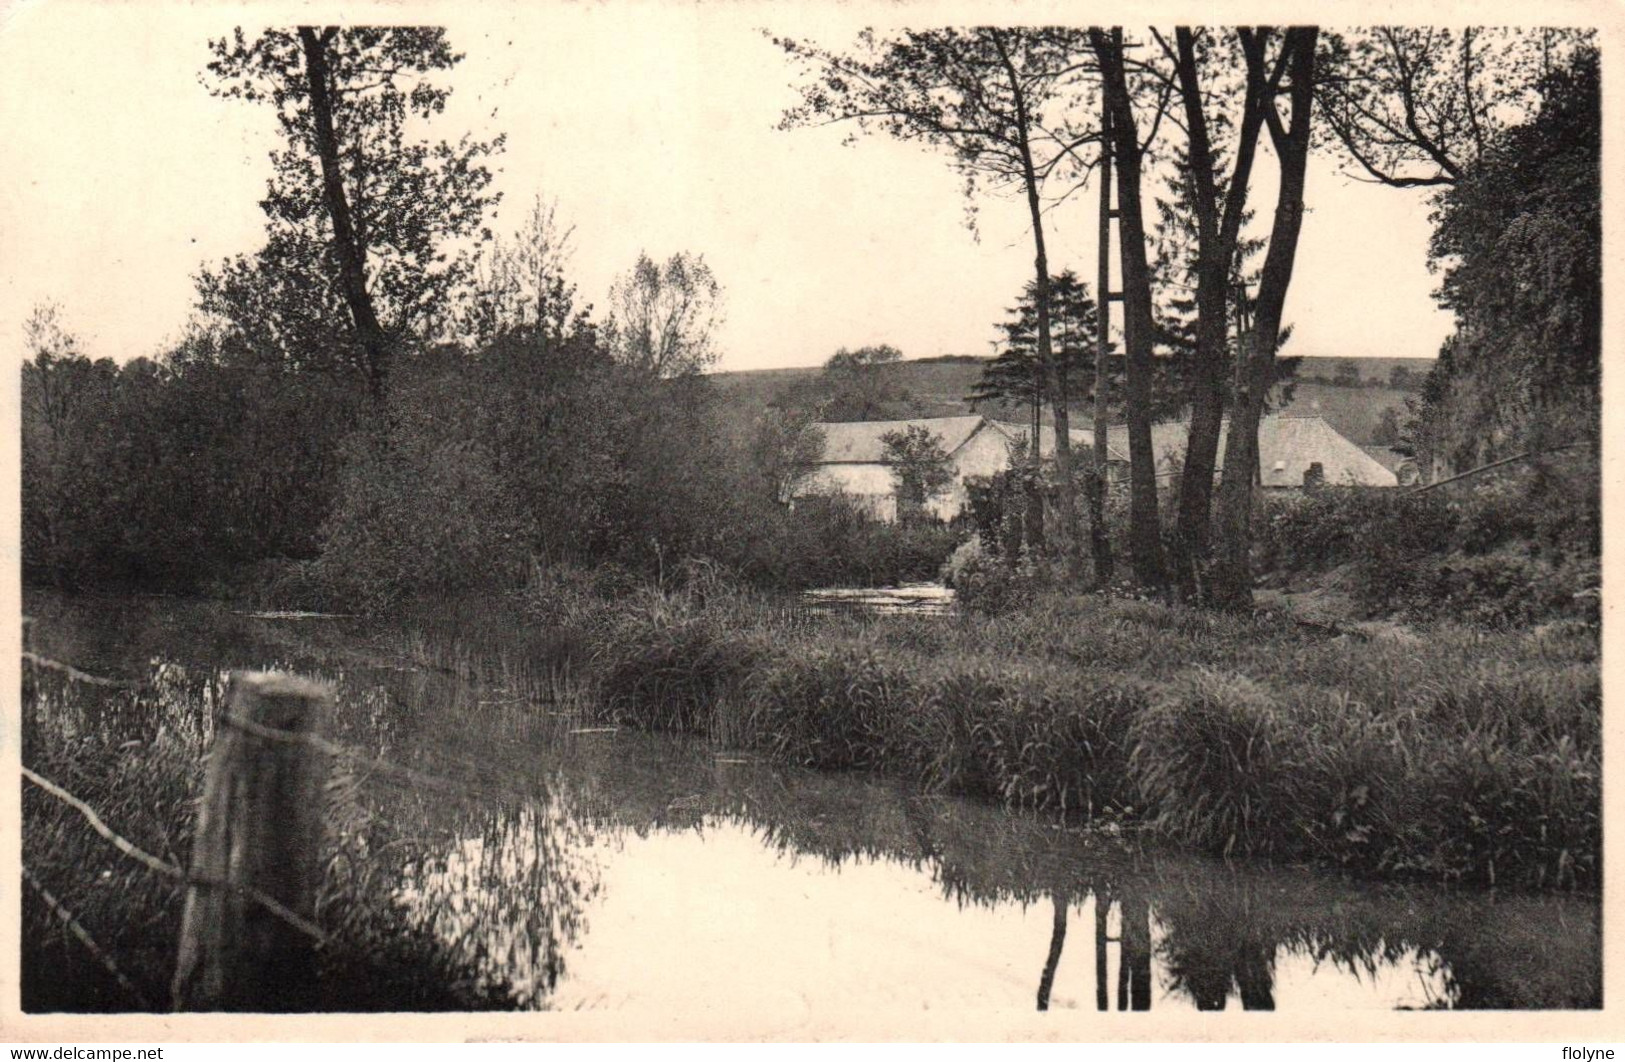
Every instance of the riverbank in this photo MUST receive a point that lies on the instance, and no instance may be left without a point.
(1447, 753)
(538, 801)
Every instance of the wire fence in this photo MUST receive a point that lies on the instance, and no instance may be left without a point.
(366, 766)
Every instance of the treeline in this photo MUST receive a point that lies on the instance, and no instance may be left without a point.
(204, 472)
(385, 402)
(1169, 126)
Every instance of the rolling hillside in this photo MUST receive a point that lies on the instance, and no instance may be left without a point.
(939, 386)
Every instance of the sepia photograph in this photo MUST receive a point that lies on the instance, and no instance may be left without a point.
(762, 522)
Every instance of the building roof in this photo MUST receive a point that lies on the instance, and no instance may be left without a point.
(1287, 446)
(1082, 438)
(859, 441)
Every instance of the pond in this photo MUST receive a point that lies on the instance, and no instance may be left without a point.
(567, 865)
(909, 599)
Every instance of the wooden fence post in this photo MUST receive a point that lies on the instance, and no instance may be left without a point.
(259, 829)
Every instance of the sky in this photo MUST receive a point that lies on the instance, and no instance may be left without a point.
(654, 126)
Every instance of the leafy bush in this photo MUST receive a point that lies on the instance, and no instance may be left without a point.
(965, 560)
(1511, 549)
(1502, 588)
(832, 540)
(418, 516)
(987, 583)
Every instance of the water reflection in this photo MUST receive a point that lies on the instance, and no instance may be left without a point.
(508, 900)
(600, 869)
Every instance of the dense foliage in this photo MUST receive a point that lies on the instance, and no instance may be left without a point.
(1520, 547)
(1519, 240)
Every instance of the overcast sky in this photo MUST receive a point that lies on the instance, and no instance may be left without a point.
(655, 127)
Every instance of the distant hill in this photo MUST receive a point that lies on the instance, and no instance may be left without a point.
(939, 386)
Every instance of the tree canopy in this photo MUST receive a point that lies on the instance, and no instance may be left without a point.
(362, 216)
(1518, 244)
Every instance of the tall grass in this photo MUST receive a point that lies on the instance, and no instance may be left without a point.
(1453, 753)
(137, 757)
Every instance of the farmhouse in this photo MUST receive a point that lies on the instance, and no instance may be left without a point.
(854, 452)
(1292, 451)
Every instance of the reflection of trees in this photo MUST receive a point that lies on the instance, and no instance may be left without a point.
(1134, 962)
(1134, 951)
(509, 898)
(1216, 939)
(1057, 940)
(1223, 926)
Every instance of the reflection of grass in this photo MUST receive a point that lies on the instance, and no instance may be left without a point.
(1221, 922)
(136, 756)
(1050, 699)
(1456, 754)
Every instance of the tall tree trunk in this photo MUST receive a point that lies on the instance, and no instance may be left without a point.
(1033, 513)
(1207, 364)
(1100, 543)
(352, 255)
(1217, 237)
(1046, 350)
(1145, 532)
(1232, 584)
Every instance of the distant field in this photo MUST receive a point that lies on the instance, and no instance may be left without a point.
(1354, 411)
(940, 387)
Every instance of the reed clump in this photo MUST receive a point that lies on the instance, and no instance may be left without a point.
(1442, 752)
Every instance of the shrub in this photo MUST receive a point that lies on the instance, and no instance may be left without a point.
(418, 516)
(833, 540)
(987, 583)
(1493, 553)
(967, 558)
(1501, 588)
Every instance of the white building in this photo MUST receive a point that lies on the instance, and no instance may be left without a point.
(1288, 449)
(854, 458)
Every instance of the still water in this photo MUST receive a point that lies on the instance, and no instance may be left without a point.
(566, 865)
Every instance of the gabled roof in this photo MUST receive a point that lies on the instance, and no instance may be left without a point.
(1082, 438)
(859, 441)
(1287, 446)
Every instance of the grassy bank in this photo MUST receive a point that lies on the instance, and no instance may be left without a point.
(1447, 753)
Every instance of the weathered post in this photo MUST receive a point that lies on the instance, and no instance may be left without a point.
(259, 836)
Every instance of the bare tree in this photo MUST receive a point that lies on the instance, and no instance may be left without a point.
(664, 317)
(522, 283)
